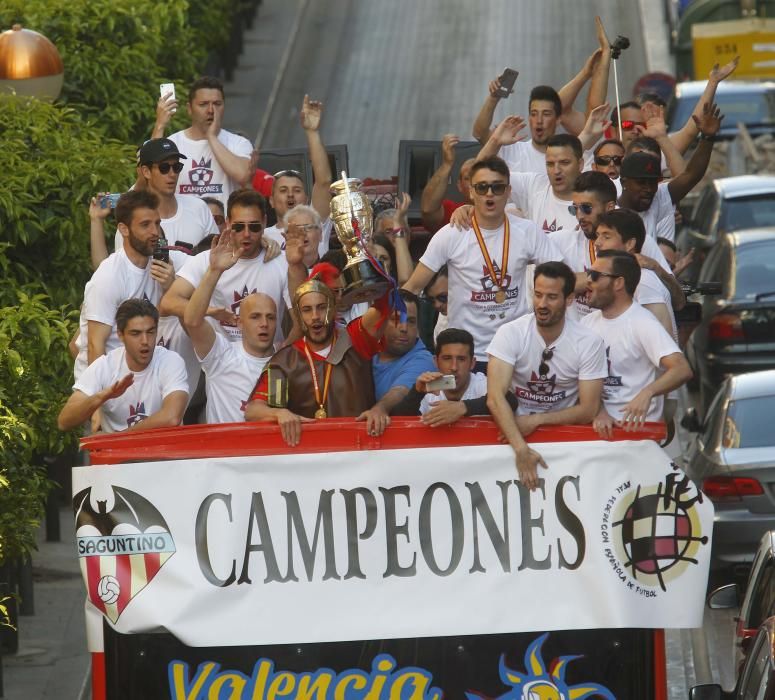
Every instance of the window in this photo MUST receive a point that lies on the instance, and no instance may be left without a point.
(755, 269)
(756, 673)
(712, 426)
(748, 212)
(763, 599)
(749, 423)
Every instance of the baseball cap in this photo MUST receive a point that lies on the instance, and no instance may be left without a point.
(157, 150)
(641, 165)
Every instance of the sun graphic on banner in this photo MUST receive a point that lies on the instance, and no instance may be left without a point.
(538, 683)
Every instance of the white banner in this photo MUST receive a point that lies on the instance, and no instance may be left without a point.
(385, 544)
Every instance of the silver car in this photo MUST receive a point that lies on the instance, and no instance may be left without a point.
(732, 458)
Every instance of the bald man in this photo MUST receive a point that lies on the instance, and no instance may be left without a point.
(231, 369)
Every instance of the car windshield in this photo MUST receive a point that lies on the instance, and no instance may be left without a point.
(747, 107)
(755, 269)
(749, 423)
(748, 212)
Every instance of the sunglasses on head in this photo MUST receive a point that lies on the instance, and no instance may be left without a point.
(164, 168)
(287, 173)
(628, 125)
(583, 208)
(546, 355)
(253, 226)
(497, 188)
(607, 160)
(595, 275)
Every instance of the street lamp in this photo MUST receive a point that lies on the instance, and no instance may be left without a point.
(30, 64)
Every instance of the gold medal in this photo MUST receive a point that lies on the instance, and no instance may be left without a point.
(499, 285)
(500, 296)
(320, 399)
(321, 413)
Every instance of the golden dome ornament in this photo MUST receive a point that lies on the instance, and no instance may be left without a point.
(30, 64)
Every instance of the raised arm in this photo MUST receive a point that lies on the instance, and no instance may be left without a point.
(431, 207)
(506, 133)
(598, 84)
(483, 121)
(595, 126)
(572, 119)
(499, 374)
(236, 167)
(311, 114)
(420, 279)
(684, 137)
(80, 407)
(654, 117)
(98, 248)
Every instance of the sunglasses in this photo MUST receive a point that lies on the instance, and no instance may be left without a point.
(583, 208)
(287, 173)
(442, 298)
(607, 160)
(497, 188)
(546, 355)
(253, 226)
(595, 275)
(164, 168)
(628, 125)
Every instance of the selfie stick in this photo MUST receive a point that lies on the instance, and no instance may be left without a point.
(621, 43)
(618, 109)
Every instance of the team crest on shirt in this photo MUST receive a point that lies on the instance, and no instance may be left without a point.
(541, 389)
(199, 179)
(136, 414)
(238, 297)
(550, 228)
(611, 379)
(163, 343)
(487, 293)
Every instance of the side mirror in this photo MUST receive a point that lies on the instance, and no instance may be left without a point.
(690, 421)
(706, 692)
(724, 598)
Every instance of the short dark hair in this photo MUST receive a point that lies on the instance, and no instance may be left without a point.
(598, 184)
(206, 82)
(666, 241)
(566, 141)
(644, 143)
(132, 308)
(644, 97)
(409, 297)
(556, 270)
(627, 224)
(246, 197)
(133, 200)
(608, 142)
(625, 265)
(545, 93)
(631, 104)
(337, 257)
(214, 200)
(454, 335)
(494, 163)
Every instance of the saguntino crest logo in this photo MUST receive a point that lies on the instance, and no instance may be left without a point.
(122, 543)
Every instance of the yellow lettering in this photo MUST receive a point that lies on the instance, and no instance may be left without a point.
(236, 684)
(357, 680)
(259, 689)
(179, 679)
(282, 685)
(310, 687)
(419, 685)
(384, 665)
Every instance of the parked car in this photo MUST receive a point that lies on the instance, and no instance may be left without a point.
(732, 458)
(737, 330)
(755, 633)
(725, 205)
(748, 101)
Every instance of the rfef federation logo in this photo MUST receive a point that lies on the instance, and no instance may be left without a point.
(122, 543)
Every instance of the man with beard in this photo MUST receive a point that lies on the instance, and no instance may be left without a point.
(137, 385)
(327, 372)
(129, 273)
(554, 366)
(637, 348)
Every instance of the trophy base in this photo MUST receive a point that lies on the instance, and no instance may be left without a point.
(362, 283)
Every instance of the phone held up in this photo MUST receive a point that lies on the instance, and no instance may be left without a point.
(506, 81)
(445, 382)
(161, 250)
(167, 89)
(109, 200)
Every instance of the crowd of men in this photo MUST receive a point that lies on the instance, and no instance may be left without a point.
(552, 275)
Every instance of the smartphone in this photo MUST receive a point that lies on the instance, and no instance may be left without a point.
(445, 382)
(506, 81)
(110, 200)
(161, 251)
(166, 89)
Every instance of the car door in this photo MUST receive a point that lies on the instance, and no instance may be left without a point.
(759, 601)
(755, 676)
(703, 454)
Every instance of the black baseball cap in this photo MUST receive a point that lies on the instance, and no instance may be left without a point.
(157, 150)
(641, 166)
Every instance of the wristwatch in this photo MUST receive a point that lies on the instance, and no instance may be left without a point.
(707, 137)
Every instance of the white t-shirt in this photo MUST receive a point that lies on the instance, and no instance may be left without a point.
(650, 290)
(276, 234)
(230, 373)
(659, 218)
(203, 175)
(472, 302)
(477, 387)
(246, 277)
(192, 222)
(170, 335)
(165, 374)
(524, 157)
(635, 343)
(532, 193)
(578, 354)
